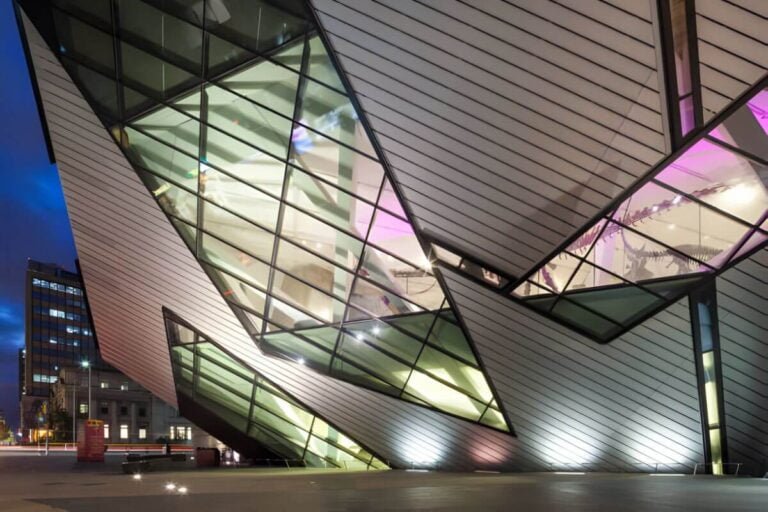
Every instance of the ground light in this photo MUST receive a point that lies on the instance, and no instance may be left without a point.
(137, 476)
(170, 486)
(182, 490)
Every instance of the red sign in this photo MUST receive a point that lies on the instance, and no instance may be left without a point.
(90, 441)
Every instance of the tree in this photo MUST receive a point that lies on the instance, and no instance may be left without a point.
(5, 433)
(61, 424)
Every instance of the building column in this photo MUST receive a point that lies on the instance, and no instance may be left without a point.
(706, 346)
(678, 59)
(114, 424)
(133, 428)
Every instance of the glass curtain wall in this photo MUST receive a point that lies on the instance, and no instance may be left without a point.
(697, 214)
(236, 120)
(251, 404)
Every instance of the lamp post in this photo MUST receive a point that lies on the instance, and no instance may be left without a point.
(74, 409)
(87, 364)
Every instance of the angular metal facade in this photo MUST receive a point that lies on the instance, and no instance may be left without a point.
(256, 153)
(506, 126)
(133, 261)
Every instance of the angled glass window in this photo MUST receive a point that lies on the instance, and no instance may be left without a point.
(237, 120)
(700, 210)
(247, 401)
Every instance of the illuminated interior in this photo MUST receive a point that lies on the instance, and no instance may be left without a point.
(254, 150)
(255, 407)
(696, 215)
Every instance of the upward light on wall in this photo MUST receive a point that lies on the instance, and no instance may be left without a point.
(419, 454)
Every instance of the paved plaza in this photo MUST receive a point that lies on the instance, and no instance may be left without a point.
(32, 483)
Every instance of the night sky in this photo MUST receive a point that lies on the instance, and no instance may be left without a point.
(34, 218)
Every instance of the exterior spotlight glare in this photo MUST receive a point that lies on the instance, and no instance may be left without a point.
(170, 486)
(359, 337)
(376, 330)
(137, 476)
(300, 360)
(85, 364)
(182, 490)
(677, 199)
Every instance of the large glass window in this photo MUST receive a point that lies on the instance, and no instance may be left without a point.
(245, 400)
(696, 215)
(242, 129)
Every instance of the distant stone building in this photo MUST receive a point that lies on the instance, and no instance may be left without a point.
(59, 339)
(130, 413)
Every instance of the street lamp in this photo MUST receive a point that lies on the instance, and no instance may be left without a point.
(87, 364)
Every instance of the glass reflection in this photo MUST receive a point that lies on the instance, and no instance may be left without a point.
(240, 126)
(696, 215)
(247, 401)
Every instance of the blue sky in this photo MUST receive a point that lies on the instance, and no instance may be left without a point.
(34, 218)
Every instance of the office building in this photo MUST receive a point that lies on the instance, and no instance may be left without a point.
(457, 235)
(58, 333)
(59, 342)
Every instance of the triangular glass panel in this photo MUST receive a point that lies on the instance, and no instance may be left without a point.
(585, 319)
(747, 127)
(389, 201)
(756, 239)
(581, 246)
(260, 159)
(291, 55)
(493, 418)
(530, 289)
(223, 55)
(687, 226)
(319, 65)
(622, 304)
(558, 271)
(634, 257)
(543, 304)
(671, 288)
(589, 276)
(721, 178)
(211, 382)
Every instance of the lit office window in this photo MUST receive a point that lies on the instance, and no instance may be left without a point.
(83, 408)
(104, 385)
(106, 431)
(123, 431)
(142, 433)
(124, 387)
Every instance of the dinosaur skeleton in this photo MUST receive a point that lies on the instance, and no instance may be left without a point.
(638, 258)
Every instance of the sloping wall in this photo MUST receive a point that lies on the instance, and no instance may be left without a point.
(733, 53)
(507, 124)
(134, 263)
(575, 404)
